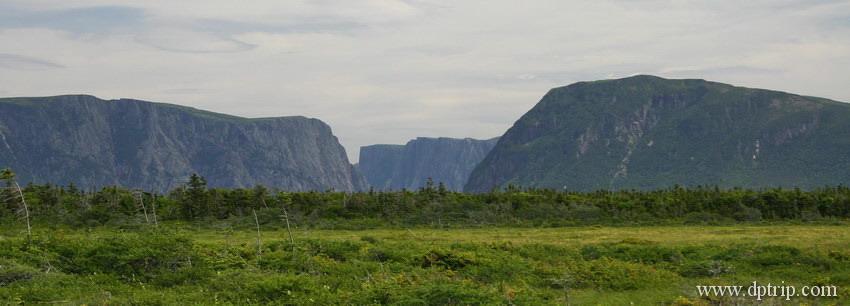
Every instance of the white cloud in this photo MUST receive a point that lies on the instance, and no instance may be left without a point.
(180, 40)
(20, 62)
(386, 71)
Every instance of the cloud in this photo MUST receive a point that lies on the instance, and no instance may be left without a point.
(704, 72)
(85, 20)
(188, 41)
(386, 71)
(20, 62)
(843, 21)
(167, 32)
(183, 91)
(526, 76)
(294, 25)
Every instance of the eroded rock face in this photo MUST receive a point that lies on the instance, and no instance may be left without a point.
(446, 160)
(646, 132)
(139, 144)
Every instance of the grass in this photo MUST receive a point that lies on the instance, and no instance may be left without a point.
(592, 265)
(823, 237)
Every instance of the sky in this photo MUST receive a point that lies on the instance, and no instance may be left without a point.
(387, 71)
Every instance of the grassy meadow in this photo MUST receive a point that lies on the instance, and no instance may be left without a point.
(583, 265)
(426, 247)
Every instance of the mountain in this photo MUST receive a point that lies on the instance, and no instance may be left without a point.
(646, 132)
(378, 164)
(446, 160)
(138, 144)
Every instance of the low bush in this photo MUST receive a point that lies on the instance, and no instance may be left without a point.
(149, 266)
(11, 272)
(615, 274)
(446, 259)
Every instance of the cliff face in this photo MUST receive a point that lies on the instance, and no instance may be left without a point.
(138, 144)
(378, 163)
(446, 160)
(646, 132)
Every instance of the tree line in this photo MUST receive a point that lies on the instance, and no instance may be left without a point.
(431, 205)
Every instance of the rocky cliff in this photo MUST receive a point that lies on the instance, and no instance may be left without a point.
(446, 160)
(646, 132)
(139, 144)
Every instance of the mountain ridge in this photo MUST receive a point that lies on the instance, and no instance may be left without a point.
(645, 132)
(142, 144)
(409, 166)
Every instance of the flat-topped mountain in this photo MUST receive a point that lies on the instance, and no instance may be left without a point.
(646, 132)
(138, 144)
(446, 160)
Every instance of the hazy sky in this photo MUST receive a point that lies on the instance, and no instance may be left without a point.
(386, 71)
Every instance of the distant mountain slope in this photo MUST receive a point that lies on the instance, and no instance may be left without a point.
(446, 160)
(647, 132)
(139, 144)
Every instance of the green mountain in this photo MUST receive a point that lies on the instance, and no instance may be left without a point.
(138, 144)
(647, 132)
(444, 160)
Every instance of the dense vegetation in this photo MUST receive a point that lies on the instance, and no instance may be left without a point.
(168, 266)
(199, 245)
(429, 206)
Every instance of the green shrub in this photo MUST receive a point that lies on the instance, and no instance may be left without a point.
(220, 257)
(493, 267)
(11, 272)
(144, 254)
(609, 273)
(839, 256)
(774, 255)
(546, 252)
(275, 245)
(638, 241)
(447, 292)
(703, 217)
(586, 213)
(446, 259)
(634, 253)
(378, 254)
(281, 287)
(705, 269)
(748, 214)
(283, 261)
(369, 239)
(189, 275)
(733, 253)
(810, 215)
(338, 250)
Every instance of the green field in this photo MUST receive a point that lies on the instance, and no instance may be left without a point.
(593, 265)
(426, 247)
